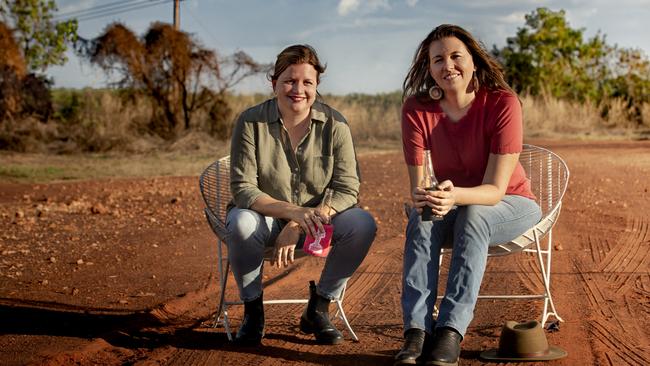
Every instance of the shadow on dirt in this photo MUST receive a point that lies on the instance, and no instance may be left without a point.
(89, 323)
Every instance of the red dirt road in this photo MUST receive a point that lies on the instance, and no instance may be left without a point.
(122, 272)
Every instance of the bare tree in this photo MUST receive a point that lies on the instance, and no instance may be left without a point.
(20, 93)
(170, 67)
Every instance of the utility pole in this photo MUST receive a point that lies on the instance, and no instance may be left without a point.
(177, 14)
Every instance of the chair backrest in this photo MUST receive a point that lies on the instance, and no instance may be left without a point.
(548, 175)
(214, 183)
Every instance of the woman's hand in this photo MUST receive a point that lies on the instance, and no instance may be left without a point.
(285, 245)
(441, 200)
(310, 219)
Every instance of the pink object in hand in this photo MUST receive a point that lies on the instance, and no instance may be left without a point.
(320, 245)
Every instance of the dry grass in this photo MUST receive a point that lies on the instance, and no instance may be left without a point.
(22, 168)
(103, 136)
(547, 117)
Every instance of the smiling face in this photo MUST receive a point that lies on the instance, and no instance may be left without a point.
(295, 89)
(451, 65)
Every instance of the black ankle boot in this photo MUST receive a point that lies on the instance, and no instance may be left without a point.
(445, 348)
(412, 348)
(251, 331)
(316, 319)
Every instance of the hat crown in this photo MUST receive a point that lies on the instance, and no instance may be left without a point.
(525, 339)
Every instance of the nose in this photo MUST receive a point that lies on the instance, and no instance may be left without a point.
(297, 88)
(447, 64)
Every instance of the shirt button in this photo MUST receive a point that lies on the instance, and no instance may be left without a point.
(295, 170)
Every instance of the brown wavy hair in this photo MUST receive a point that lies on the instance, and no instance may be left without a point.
(294, 55)
(488, 71)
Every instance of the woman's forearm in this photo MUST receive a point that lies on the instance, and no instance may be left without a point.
(485, 194)
(271, 207)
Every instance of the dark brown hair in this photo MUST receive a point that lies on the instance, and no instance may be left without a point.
(488, 71)
(294, 55)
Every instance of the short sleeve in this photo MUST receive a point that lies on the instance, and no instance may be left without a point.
(413, 139)
(506, 125)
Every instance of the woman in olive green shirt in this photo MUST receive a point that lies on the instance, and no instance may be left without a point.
(284, 153)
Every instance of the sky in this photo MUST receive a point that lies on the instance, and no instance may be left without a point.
(367, 45)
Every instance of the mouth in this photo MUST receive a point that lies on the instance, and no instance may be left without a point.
(451, 76)
(296, 98)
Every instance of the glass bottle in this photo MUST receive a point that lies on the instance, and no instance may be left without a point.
(320, 245)
(326, 203)
(429, 183)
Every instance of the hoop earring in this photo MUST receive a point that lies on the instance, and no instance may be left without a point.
(475, 84)
(435, 92)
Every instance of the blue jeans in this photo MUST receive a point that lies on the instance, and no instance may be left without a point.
(474, 229)
(249, 233)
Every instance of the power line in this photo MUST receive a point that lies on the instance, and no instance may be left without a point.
(108, 12)
(96, 8)
(200, 23)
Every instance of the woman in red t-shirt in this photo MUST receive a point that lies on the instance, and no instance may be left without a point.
(459, 107)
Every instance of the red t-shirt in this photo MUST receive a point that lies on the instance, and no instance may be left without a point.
(460, 150)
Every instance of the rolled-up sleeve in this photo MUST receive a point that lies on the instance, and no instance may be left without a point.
(243, 165)
(345, 176)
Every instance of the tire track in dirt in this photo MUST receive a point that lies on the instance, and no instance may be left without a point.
(619, 345)
(597, 300)
(631, 256)
(372, 283)
(607, 282)
(599, 248)
(529, 273)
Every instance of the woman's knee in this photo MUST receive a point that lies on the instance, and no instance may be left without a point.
(243, 224)
(356, 223)
(473, 221)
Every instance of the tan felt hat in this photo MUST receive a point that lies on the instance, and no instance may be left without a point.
(523, 342)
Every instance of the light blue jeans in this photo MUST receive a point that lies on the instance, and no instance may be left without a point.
(474, 229)
(249, 233)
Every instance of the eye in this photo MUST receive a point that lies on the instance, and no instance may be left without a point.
(309, 82)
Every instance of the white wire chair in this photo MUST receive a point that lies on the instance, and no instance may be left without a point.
(549, 177)
(214, 183)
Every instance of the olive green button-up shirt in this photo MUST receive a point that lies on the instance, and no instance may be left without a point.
(262, 161)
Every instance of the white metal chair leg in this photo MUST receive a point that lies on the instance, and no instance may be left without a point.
(217, 316)
(546, 271)
(340, 313)
(222, 309)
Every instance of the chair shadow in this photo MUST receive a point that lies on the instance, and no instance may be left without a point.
(142, 330)
(37, 320)
(137, 330)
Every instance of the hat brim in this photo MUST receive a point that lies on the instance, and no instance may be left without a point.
(553, 354)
